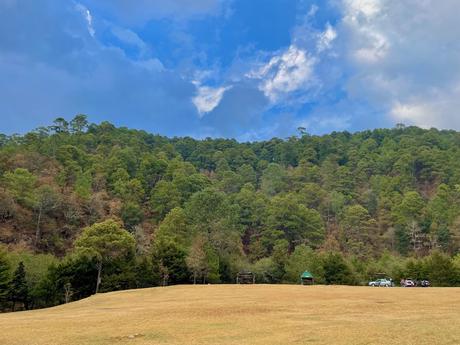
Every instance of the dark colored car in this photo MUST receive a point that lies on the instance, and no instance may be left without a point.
(424, 283)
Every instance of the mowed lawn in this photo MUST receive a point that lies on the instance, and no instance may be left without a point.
(245, 314)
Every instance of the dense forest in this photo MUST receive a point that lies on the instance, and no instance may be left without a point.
(86, 207)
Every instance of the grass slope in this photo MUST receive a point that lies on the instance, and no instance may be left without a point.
(251, 314)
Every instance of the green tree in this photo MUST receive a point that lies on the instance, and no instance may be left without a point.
(402, 240)
(304, 259)
(265, 270)
(104, 242)
(247, 173)
(168, 260)
(151, 170)
(230, 182)
(441, 270)
(211, 214)
(280, 258)
(60, 125)
(213, 265)
(175, 227)
(5, 278)
(410, 208)
(336, 270)
(79, 123)
(21, 183)
(187, 185)
(359, 229)
(47, 200)
(298, 223)
(203, 261)
(165, 196)
(76, 271)
(274, 180)
(36, 267)
(83, 185)
(119, 181)
(19, 287)
(131, 214)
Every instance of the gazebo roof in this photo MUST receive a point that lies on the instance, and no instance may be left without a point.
(306, 274)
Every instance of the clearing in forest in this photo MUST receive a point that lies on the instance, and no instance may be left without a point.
(245, 314)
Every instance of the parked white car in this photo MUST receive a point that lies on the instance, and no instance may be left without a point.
(408, 283)
(382, 282)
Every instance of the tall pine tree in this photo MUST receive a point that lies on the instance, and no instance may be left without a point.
(4, 279)
(19, 287)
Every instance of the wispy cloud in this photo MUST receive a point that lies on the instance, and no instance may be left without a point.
(128, 36)
(88, 17)
(141, 11)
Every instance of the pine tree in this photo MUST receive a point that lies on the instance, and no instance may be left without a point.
(19, 287)
(4, 278)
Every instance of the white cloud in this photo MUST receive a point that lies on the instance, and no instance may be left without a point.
(406, 58)
(88, 17)
(208, 98)
(437, 110)
(418, 113)
(129, 37)
(326, 38)
(287, 72)
(363, 8)
(362, 18)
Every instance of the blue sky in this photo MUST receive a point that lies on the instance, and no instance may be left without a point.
(248, 69)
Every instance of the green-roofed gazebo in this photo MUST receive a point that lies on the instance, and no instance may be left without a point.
(306, 278)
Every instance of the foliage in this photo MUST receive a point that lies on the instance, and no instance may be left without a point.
(344, 206)
(5, 278)
(168, 260)
(336, 270)
(304, 259)
(19, 287)
(105, 242)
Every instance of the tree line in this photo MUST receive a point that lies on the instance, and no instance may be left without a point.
(180, 210)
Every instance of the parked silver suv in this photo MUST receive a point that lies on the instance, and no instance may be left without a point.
(382, 282)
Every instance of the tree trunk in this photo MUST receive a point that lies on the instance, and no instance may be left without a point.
(37, 230)
(99, 270)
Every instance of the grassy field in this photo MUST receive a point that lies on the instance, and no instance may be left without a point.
(245, 314)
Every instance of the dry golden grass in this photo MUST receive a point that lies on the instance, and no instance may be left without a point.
(245, 314)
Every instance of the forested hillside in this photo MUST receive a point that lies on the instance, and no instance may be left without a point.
(202, 210)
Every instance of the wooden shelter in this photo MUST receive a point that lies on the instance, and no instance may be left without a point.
(245, 277)
(307, 278)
